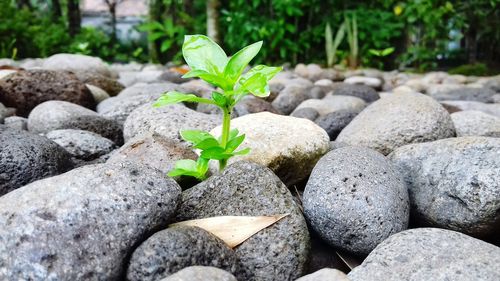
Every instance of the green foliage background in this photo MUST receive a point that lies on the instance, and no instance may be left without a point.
(293, 31)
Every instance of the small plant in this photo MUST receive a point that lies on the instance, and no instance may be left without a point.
(331, 45)
(381, 53)
(209, 62)
(352, 39)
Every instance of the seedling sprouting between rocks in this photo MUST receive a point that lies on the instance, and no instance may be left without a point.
(209, 62)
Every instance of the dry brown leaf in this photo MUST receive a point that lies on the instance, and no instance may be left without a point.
(233, 230)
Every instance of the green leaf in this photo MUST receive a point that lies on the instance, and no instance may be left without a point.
(234, 143)
(216, 153)
(202, 166)
(207, 143)
(242, 152)
(176, 97)
(219, 99)
(201, 53)
(213, 79)
(255, 84)
(387, 51)
(165, 45)
(185, 167)
(240, 60)
(196, 136)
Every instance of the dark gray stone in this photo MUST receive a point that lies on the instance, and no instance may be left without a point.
(5, 112)
(334, 122)
(84, 224)
(201, 273)
(251, 104)
(454, 183)
(316, 92)
(423, 254)
(26, 157)
(363, 92)
(355, 199)
(278, 252)
(466, 94)
(398, 120)
(306, 112)
(166, 121)
(290, 97)
(83, 145)
(175, 248)
(102, 126)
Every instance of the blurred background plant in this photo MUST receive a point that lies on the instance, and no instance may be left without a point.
(420, 34)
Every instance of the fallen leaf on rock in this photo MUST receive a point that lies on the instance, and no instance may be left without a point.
(233, 230)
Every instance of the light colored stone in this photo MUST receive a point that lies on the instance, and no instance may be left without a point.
(476, 123)
(331, 103)
(325, 274)
(489, 108)
(98, 93)
(373, 82)
(76, 62)
(287, 145)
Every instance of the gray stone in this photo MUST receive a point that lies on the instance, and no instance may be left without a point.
(200, 273)
(332, 103)
(372, 82)
(153, 150)
(154, 89)
(26, 157)
(76, 63)
(289, 98)
(251, 104)
(355, 198)
(172, 76)
(119, 108)
(289, 146)
(6, 112)
(55, 115)
(166, 121)
(334, 122)
(175, 248)
(493, 84)
(398, 120)
(109, 85)
(363, 92)
(84, 224)
(325, 274)
(305, 112)
(466, 94)
(493, 109)
(453, 183)
(476, 123)
(430, 254)
(316, 92)
(16, 122)
(278, 252)
(98, 93)
(83, 145)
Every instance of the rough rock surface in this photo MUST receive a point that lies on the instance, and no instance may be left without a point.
(26, 89)
(290, 97)
(325, 274)
(476, 123)
(430, 254)
(200, 273)
(175, 248)
(453, 183)
(111, 86)
(83, 145)
(154, 89)
(334, 122)
(16, 122)
(84, 224)
(278, 252)
(398, 120)
(332, 103)
(355, 198)
(26, 157)
(166, 121)
(466, 94)
(493, 109)
(289, 146)
(119, 108)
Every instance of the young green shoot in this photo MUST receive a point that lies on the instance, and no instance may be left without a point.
(209, 62)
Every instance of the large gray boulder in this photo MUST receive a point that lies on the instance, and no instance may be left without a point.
(200, 273)
(84, 224)
(355, 198)
(454, 183)
(278, 252)
(476, 123)
(167, 121)
(26, 157)
(175, 248)
(424, 254)
(398, 120)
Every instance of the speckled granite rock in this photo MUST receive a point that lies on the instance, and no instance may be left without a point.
(200, 273)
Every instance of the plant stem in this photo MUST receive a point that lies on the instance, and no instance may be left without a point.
(226, 125)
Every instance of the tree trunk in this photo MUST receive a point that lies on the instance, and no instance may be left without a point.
(471, 46)
(112, 11)
(74, 17)
(56, 10)
(213, 20)
(24, 3)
